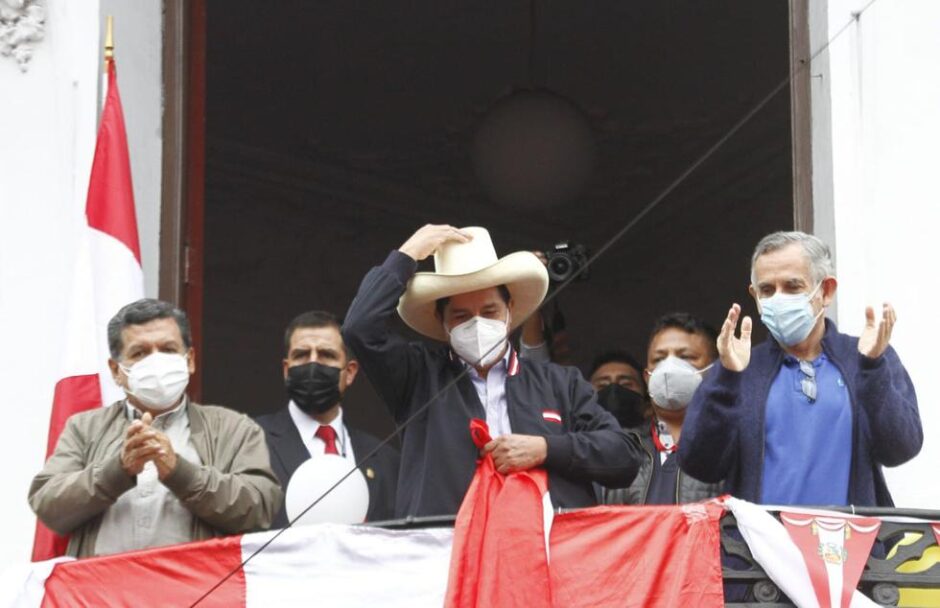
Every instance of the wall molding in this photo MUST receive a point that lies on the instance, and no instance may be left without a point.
(22, 26)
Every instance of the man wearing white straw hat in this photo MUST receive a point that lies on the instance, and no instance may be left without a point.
(540, 414)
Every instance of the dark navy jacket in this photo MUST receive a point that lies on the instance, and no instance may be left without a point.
(723, 433)
(438, 456)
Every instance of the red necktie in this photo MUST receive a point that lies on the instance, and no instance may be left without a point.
(328, 435)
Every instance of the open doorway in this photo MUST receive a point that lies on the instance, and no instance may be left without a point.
(334, 131)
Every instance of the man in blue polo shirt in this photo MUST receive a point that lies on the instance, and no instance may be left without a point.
(810, 416)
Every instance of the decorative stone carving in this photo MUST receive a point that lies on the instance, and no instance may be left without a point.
(22, 25)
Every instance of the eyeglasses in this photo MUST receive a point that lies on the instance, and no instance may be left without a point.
(808, 383)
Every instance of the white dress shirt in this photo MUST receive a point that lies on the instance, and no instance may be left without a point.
(307, 427)
(492, 393)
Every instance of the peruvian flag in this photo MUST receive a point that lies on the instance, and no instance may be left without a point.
(605, 556)
(107, 275)
(503, 526)
(815, 557)
(321, 565)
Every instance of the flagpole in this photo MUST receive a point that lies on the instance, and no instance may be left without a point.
(109, 42)
(108, 58)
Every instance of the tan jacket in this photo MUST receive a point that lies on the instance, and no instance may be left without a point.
(233, 491)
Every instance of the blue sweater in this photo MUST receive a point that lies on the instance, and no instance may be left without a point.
(723, 433)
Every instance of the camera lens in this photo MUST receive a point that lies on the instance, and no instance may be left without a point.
(559, 267)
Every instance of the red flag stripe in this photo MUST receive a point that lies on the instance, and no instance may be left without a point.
(637, 557)
(110, 207)
(72, 395)
(166, 576)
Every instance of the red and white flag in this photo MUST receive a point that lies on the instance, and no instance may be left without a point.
(835, 550)
(606, 556)
(321, 565)
(814, 557)
(503, 526)
(106, 275)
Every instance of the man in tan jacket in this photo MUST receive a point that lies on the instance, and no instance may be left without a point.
(156, 468)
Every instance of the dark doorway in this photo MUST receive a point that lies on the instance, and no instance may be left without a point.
(334, 130)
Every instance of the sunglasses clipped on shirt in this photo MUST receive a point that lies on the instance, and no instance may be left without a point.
(808, 383)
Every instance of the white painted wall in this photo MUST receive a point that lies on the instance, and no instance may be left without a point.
(48, 121)
(882, 87)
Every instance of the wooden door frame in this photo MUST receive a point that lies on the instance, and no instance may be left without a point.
(801, 133)
(184, 135)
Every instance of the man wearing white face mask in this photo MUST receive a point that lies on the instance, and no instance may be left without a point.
(156, 468)
(810, 416)
(681, 348)
(541, 415)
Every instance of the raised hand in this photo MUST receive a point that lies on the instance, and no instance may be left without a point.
(428, 238)
(735, 353)
(875, 337)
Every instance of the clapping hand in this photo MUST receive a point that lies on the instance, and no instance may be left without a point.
(143, 443)
(735, 353)
(139, 446)
(875, 337)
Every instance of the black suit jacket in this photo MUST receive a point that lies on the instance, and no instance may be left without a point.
(585, 442)
(288, 451)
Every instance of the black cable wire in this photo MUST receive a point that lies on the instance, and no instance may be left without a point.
(563, 285)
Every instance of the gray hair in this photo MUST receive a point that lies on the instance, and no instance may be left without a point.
(817, 252)
(140, 312)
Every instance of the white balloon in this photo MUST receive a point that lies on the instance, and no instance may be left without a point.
(347, 504)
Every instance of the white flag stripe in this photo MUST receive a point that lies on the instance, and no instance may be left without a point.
(778, 555)
(835, 538)
(349, 566)
(118, 280)
(24, 585)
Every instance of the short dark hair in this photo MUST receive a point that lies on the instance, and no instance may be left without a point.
(141, 312)
(689, 324)
(616, 356)
(442, 302)
(314, 319)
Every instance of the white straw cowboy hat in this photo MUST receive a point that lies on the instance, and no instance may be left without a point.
(471, 266)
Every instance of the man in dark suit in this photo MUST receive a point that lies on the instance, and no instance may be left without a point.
(318, 369)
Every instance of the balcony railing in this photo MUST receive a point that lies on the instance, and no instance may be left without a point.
(747, 585)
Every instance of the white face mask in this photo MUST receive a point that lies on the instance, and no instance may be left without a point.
(479, 341)
(673, 383)
(158, 380)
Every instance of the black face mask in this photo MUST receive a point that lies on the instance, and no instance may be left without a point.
(627, 406)
(313, 387)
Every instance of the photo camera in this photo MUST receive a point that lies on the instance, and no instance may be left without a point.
(566, 259)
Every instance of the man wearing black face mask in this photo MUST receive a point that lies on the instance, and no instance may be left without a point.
(317, 371)
(618, 380)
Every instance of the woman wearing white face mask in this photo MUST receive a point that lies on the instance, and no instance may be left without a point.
(541, 415)
(681, 349)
